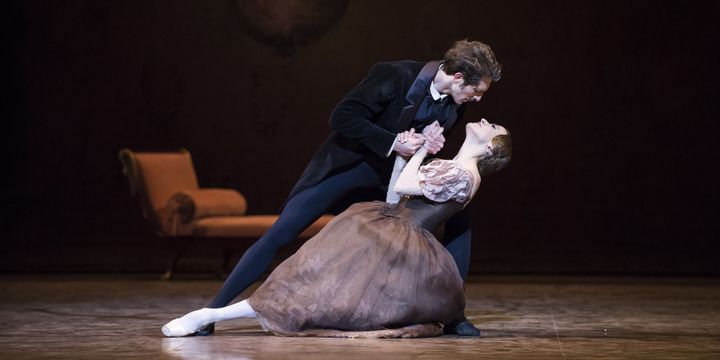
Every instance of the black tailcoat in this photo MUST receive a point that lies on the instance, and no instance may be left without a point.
(366, 122)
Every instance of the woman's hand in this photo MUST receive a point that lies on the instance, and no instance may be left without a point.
(434, 139)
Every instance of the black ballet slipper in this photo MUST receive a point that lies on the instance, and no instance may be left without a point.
(461, 326)
(206, 330)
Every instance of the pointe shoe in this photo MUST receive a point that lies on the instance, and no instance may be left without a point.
(174, 329)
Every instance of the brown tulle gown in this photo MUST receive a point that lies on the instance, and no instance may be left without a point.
(374, 271)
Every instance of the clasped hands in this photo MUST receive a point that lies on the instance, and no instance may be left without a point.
(431, 138)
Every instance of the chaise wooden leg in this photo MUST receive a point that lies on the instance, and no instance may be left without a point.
(174, 259)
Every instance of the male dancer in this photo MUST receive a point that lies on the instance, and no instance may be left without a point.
(393, 98)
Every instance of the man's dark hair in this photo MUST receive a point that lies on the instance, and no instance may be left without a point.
(474, 60)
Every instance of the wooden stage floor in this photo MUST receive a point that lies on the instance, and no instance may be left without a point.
(119, 317)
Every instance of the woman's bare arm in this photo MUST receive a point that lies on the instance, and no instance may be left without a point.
(408, 183)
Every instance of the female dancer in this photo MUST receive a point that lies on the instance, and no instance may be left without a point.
(376, 270)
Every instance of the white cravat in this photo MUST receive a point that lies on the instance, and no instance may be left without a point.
(436, 95)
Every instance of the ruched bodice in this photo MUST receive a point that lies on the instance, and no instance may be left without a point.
(422, 212)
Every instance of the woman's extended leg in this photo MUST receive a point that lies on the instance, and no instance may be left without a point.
(191, 322)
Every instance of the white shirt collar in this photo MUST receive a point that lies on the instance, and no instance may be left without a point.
(436, 95)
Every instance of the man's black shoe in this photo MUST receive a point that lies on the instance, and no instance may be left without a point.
(461, 326)
(206, 330)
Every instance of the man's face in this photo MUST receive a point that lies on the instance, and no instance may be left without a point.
(463, 92)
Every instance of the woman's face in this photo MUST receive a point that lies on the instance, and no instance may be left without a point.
(482, 132)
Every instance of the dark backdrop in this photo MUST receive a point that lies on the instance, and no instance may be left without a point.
(612, 106)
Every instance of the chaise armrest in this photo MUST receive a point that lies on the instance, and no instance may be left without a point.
(187, 206)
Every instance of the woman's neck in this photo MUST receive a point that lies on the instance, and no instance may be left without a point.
(466, 161)
(469, 162)
(466, 156)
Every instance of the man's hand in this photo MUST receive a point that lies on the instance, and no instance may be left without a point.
(408, 142)
(434, 139)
